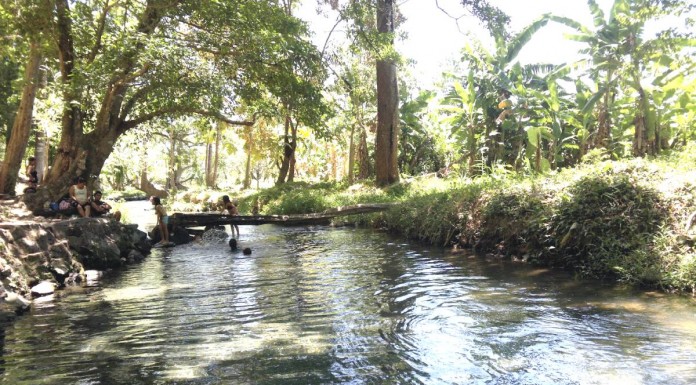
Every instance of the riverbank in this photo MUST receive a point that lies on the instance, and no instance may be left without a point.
(629, 221)
(40, 255)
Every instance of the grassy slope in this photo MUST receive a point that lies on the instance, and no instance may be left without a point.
(620, 220)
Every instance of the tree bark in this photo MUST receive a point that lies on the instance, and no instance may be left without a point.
(208, 164)
(41, 154)
(148, 188)
(21, 128)
(363, 157)
(351, 155)
(171, 162)
(249, 148)
(386, 141)
(216, 158)
(289, 144)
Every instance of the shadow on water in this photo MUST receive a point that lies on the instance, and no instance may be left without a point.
(315, 305)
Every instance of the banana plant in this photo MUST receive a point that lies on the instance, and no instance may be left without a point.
(552, 117)
(489, 76)
(621, 55)
(466, 117)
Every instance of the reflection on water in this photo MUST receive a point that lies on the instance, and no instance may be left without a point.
(315, 305)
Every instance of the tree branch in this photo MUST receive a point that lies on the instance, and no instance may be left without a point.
(126, 125)
(100, 31)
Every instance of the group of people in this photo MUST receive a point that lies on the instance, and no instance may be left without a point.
(163, 219)
(76, 200)
(79, 200)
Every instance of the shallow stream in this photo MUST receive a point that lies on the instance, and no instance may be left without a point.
(318, 305)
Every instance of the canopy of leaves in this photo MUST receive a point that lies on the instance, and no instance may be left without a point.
(200, 57)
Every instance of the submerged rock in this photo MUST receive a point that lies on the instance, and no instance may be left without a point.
(44, 288)
(178, 235)
(16, 302)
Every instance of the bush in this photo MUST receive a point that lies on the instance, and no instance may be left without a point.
(605, 219)
(509, 221)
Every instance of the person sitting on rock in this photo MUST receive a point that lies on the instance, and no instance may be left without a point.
(78, 192)
(101, 208)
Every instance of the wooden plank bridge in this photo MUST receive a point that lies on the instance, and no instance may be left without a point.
(214, 219)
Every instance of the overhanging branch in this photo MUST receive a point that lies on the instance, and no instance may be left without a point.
(178, 111)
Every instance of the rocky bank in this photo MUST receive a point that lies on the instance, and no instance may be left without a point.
(39, 255)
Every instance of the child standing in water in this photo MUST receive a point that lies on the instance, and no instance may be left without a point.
(162, 220)
(231, 209)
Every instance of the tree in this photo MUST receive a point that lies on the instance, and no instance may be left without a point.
(28, 18)
(387, 138)
(127, 63)
(21, 127)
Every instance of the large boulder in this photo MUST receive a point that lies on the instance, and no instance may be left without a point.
(178, 235)
(102, 243)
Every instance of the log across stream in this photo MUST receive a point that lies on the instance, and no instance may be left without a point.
(214, 219)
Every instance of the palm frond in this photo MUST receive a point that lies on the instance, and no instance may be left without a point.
(522, 38)
(597, 14)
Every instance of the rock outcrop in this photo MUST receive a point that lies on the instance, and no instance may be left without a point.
(101, 243)
(38, 256)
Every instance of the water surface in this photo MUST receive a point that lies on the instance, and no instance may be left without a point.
(317, 305)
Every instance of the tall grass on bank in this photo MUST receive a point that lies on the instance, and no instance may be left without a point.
(632, 221)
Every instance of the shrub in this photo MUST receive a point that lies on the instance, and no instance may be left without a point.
(507, 222)
(604, 219)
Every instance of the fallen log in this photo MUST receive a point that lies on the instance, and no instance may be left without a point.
(213, 219)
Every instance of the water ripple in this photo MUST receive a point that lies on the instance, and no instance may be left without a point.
(314, 305)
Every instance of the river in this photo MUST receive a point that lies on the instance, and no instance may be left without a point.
(321, 305)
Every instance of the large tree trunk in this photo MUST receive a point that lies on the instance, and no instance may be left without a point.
(291, 170)
(212, 158)
(386, 141)
(64, 165)
(41, 153)
(216, 158)
(351, 155)
(363, 157)
(289, 145)
(208, 165)
(171, 162)
(21, 128)
(249, 148)
(148, 188)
